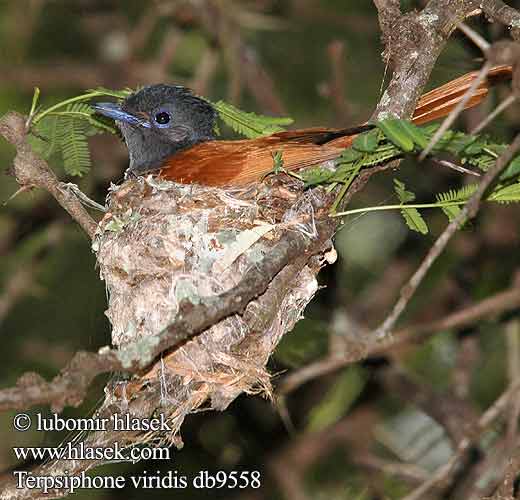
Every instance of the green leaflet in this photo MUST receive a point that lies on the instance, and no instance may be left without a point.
(414, 220)
(411, 216)
(513, 170)
(403, 195)
(350, 160)
(398, 133)
(317, 175)
(277, 161)
(451, 211)
(65, 133)
(380, 156)
(96, 124)
(366, 142)
(463, 194)
(64, 127)
(349, 155)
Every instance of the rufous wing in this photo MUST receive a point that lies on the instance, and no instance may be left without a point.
(220, 163)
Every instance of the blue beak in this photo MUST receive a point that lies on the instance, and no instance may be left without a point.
(113, 110)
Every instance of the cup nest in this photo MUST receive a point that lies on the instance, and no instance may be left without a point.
(161, 244)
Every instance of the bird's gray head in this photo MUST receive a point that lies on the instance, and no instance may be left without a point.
(158, 121)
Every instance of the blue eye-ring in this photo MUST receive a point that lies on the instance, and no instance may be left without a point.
(162, 118)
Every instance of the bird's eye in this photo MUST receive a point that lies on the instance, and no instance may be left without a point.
(162, 118)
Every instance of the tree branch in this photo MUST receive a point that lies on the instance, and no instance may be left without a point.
(414, 41)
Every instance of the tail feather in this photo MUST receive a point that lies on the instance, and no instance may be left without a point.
(440, 101)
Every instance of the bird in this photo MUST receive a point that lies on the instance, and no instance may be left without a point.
(171, 133)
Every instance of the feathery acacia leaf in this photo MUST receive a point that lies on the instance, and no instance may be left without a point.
(249, 124)
(447, 200)
(74, 146)
(414, 220)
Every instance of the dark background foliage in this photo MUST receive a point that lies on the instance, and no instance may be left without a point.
(319, 62)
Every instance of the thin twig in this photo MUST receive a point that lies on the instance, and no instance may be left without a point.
(513, 349)
(475, 37)
(453, 166)
(487, 308)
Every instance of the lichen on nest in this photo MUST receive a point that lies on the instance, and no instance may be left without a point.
(162, 243)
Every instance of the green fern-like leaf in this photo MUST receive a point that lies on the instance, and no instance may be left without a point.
(403, 195)
(455, 195)
(403, 134)
(64, 127)
(506, 194)
(72, 140)
(412, 217)
(317, 175)
(462, 194)
(250, 125)
(484, 161)
(82, 111)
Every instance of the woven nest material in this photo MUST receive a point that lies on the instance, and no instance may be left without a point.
(162, 243)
